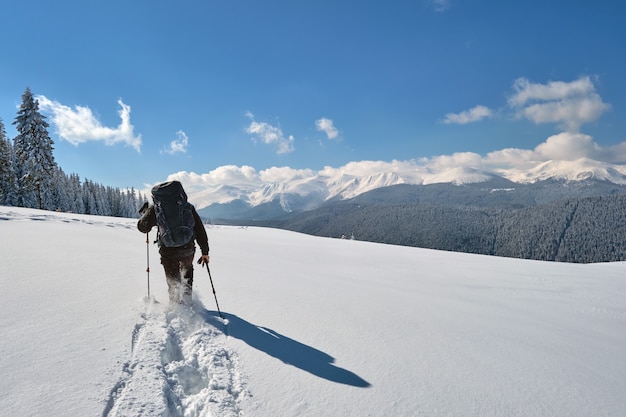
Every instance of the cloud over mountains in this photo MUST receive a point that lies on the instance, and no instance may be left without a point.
(568, 156)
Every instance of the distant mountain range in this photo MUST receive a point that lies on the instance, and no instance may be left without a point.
(541, 183)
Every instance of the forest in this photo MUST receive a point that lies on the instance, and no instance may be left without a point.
(582, 230)
(30, 176)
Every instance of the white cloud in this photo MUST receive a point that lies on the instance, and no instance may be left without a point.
(565, 146)
(80, 125)
(326, 125)
(526, 91)
(567, 104)
(281, 174)
(440, 5)
(178, 145)
(365, 168)
(468, 116)
(568, 147)
(270, 135)
(446, 162)
(226, 174)
(506, 158)
(570, 105)
(239, 175)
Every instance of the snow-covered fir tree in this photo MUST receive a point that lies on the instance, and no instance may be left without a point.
(60, 196)
(76, 204)
(33, 150)
(8, 184)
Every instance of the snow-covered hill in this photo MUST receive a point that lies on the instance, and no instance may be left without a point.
(312, 327)
(305, 189)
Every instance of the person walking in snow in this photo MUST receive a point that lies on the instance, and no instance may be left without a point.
(178, 226)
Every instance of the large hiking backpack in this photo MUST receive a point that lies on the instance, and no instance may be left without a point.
(174, 217)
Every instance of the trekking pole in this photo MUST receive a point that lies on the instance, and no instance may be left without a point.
(148, 260)
(214, 294)
(141, 211)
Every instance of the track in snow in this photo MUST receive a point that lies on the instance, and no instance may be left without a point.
(180, 367)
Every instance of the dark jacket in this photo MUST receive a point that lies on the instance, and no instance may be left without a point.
(148, 221)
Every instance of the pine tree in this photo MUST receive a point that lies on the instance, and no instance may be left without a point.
(60, 197)
(33, 150)
(7, 172)
(77, 205)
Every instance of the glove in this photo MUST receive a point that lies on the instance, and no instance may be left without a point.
(143, 208)
(204, 260)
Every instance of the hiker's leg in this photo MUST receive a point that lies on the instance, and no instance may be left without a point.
(172, 275)
(186, 269)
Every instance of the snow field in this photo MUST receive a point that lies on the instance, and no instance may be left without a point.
(316, 327)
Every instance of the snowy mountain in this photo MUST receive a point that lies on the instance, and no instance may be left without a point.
(578, 170)
(311, 327)
(306, 190)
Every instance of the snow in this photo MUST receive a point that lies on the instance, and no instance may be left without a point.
(312, 327)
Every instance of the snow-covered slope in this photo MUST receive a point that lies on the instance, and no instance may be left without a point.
(312, 327)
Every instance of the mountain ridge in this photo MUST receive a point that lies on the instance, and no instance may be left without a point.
(266, 200)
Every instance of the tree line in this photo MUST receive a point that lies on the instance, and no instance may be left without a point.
(581, 230)
(30, 176)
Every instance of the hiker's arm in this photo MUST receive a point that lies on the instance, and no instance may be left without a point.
(201, 236)
(147, 220)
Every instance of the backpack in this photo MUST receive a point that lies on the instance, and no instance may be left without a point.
(174, 215)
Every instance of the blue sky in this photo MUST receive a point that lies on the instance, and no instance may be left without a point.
(137, 90)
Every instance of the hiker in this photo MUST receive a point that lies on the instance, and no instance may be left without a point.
(178, 225)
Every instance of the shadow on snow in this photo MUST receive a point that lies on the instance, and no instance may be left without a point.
(285, 349)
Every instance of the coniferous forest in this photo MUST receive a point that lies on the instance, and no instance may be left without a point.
(30, 176)
(581, 230)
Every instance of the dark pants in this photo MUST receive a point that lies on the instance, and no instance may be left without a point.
(179, 275)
